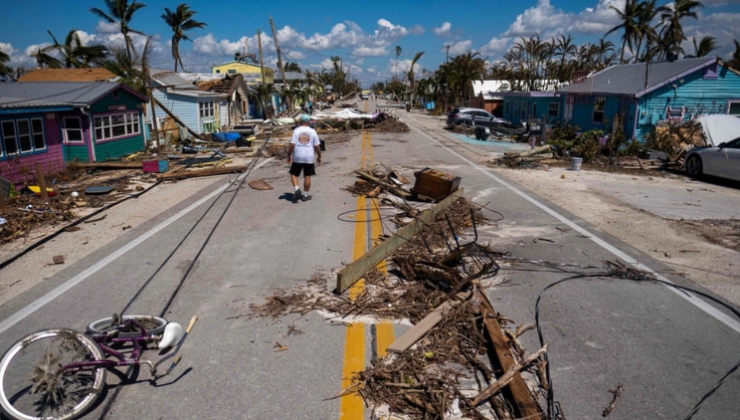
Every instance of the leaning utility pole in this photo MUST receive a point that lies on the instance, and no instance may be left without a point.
(262, 64)
(277, 47)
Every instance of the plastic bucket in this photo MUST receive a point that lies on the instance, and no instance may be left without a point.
(575, 163)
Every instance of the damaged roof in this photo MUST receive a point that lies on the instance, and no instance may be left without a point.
(166, 78)
(45, 94)
(68, 75)
(629, 79)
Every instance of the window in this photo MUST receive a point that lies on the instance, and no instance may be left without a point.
(10, 143)
(72, 130)
(24, 136)
(553, 109)
(37, 128)
(674, 113)
(599, 106)
(116, 125)
(218, 71)
(534, 110)
(231, 71)
(206, 109)
(733, 108)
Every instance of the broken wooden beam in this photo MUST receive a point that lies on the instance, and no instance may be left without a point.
(395, 190)
(110, 165)
(353, 272)
(422, 327)
(507, 377)
(524, 404)
(177, 120)
(204, 172)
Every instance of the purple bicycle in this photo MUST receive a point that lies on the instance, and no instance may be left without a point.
(59, 374)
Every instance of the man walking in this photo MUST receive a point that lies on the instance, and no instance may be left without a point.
(302, 152)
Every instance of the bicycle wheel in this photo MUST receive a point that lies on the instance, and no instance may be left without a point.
(33, 388)
(153, 324)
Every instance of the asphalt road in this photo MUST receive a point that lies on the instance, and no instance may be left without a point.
(664, 350)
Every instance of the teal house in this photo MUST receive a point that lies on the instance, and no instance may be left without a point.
(522, 106)
(645, 94)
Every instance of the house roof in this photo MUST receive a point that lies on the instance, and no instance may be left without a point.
(291, 75)
(45, 94)
(68, 75)
(629, 79)
(217, 82)
(170, 79)
(495, 89)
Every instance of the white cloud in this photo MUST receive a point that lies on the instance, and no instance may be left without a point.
(104, 27)
(210, 46)
(370, 51)
(444, 30)
(417, 30)
(496, 45)
(460, 47)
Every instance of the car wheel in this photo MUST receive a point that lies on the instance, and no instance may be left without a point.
(694, 167)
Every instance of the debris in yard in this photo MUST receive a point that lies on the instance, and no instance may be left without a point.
(97, 219)
(260, 184)
(279, 347)
(72, 229)
(435, 184)
(293, 330)
(58, 259)
(725, 233)
(391, 125)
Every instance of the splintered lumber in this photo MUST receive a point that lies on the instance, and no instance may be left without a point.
(398, 191)
(249, 149)
(507, 377)
(525, 404)
(111, 165)
(203, 172)
(422, 327)
(535, 151)
(177, 120)
(353, 272)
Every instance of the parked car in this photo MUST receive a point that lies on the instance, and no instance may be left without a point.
(721, 156)
(474, 117)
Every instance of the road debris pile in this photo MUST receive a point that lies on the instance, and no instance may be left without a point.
(461, 358)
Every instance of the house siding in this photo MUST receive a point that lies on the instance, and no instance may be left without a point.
(22, 169)
(695, 94)
(583, 112)
(184, 107)
(115, 148)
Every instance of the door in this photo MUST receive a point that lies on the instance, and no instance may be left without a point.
(728, 163)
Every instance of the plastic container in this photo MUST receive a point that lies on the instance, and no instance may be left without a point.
(575, 163)
(226, 136)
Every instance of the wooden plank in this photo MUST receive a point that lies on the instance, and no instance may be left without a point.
(507, 377)
(422, 327)
(525, 404)
(395, 190)
(353, 272)
(42, 181)
(110, 165)
(204, 172)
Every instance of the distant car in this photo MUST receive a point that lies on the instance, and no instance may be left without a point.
(721, 156)
(470, 117)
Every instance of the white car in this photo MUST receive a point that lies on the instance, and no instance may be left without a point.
(722, 155)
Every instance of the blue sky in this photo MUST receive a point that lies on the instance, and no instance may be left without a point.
(364, 34)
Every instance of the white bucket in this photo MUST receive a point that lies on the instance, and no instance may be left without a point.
(575, 163)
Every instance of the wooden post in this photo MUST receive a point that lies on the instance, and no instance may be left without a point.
(262, 63)
(154, 132)
(2, 201)
(277, 47)
(42, 181)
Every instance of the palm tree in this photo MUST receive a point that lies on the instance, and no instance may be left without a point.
(629, 17)
(735, 62)
(45, 60)
(5, 70)
(180, 21)
(417, 56)
(672, 33)
(293, 66)
(130, 71)
(120, 12)
(648, 10)
(564, 47)
(74, 54)
(398, 54)
(705, 47)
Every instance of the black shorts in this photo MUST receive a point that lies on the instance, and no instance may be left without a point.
(309, 169)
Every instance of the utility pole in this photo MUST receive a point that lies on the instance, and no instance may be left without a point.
(262, 64)
(277, 47)
(447, 76)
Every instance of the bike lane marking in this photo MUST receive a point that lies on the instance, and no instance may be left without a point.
(690, 297)
(69, 284)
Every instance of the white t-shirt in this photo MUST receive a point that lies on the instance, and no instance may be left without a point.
(304, 138)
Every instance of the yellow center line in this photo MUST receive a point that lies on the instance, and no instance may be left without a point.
(384, 329)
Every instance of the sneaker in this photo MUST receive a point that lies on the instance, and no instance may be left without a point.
(305, 197)
(297, 195)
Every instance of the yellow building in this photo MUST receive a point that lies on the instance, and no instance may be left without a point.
(250, 71)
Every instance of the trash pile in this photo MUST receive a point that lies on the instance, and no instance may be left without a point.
(461, 359)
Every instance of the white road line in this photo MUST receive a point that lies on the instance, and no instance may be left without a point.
(696, 301)
(40, 302)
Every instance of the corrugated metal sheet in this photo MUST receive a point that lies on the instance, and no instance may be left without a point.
(168, 78)
(629, 79)
(35, 94)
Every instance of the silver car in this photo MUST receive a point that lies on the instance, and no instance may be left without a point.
(721, 156)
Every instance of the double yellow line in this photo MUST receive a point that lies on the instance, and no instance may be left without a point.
(351, 406)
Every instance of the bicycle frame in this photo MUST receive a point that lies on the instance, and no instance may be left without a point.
(104, 340)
